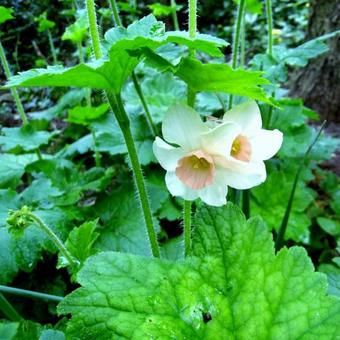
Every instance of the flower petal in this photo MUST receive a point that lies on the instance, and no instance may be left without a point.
(219, 140)
(183, 126)
(177, 188)
(166, 154)
(242, 175)
(265, 144)
(247, 115)
(216, 193)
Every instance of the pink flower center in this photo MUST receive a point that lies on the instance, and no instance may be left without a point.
(196, 170)
(241, 149)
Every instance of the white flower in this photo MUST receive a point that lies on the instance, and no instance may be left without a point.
(208, 160)
(251, 147)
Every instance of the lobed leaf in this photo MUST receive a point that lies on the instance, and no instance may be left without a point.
(232, 287)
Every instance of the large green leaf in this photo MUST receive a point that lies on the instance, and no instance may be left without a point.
(212, 77)
(221, 78)
(112, 71)
(233, 287)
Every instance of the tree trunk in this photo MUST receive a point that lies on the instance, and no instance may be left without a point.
(319, 82)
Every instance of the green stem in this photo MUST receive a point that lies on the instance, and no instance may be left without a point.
(283, 227)
(174, 15)
(134, 77)
(30, 294)
(52, 47)
(53, 237)
(145, 106)
(236, 42)
(246, 203)
(187, 227)
(124, 123)
(14, 91)
(243, 41)
(92, 18)
(191, 102)
(192, 18)
(39, 155)
(8, 309)
(270, 26)
(269, 14)
(97, 156)
(82, 60)
(115, 12)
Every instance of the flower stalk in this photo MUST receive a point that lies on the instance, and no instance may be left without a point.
(123, 120)
(236, 41)
(14, 91)
(191, 102)
(174, 15)
(20, 219)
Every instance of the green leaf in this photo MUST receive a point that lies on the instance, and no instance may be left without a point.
(85, 114)
(8, 329)
(112, 73)
(216, 293)
(222, 78)
(124, 228)
(160, 92)
(159, 10)
(270, 201)
(51, 334)
(12, 167)
(333, 276)
(5, 14)
(44, 23)
(23, 253)
(70, 99)
(77, 31)
(25, 138)
(80, 243)
(331, 227)
(28, 330)
(110, 139)
(252, 6)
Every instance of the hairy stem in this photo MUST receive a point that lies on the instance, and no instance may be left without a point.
(82, 60)
(53, 237)
(191, 102)
(246, 203)
(124, 123)
(236, 41)
(14, 91)
(283, 227)
(174, 15)
(136, 84)
(94, 34)
(30, 294)
(52, 47)
(270, 51)
(187, 227)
